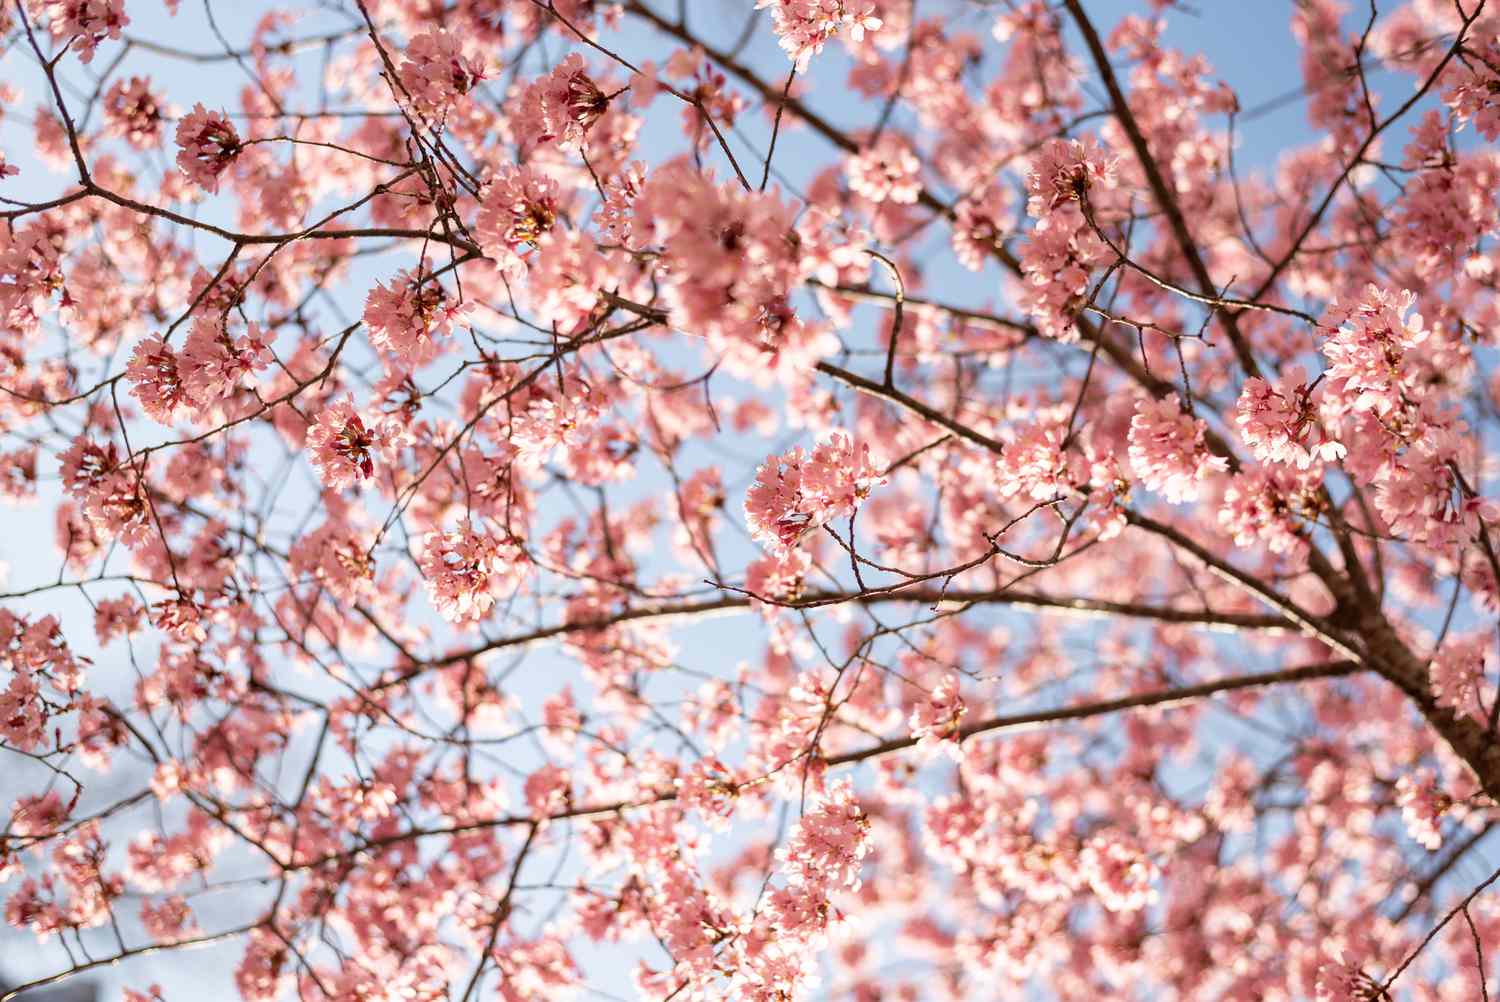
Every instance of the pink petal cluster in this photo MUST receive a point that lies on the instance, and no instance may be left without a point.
(1371, 337)
(18, 474)
(935, 719)
(109, 491)
(1272, 507)
(75, 893)
(797, 492)
(1334, 98)
(405, 317)
(1063, 248)
(1448, 204)
(733, 258)
(342, 445)
(1167, 450)
(518, 207)
(436, 73)
(1119, 873)
(1423, 804)
(86, 23)
(1066, 171)
(30, 273)
(1279, 421)
(1034, 465)
(468, 571)
(45, 678)
(1473, 89)
(214, 362)
(208, 144)
(803, 27)
(266, 971)
(547, 790)
(979, 224)
(338, 559)
(1057, 260)
(117, 617)
(565, 278)
(1344, 981)
(711, 788)
(155, 379)
(135, 112)
(1387, 375)
(779, 575)
(889, 171)
(210, 366)
(829, 843)
(562, 106)
(1460, 680)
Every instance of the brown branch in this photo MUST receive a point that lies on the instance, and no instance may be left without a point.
(123, 955)
(1165, 197)
(1358, 158)
(1082, 711)
(733, 604)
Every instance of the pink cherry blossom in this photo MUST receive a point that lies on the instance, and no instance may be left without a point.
(888, 172)
(798, 492)
(1459, 676)
(1067, 171)
(936, 717)
(1168, 452)
(805, 26)
(135, 113)
(214, 362)
(1472, 91)
(468, 571)
(156, 380)
(562, 106)
(547, 791)
(406, 316)
(343, 446)
(436, 73)
(520, 206)
(208, 146)
(1280, 423)
(829, 842)
(1422, 807)
(86, 23)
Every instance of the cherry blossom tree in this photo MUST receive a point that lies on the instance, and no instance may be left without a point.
(550, 500)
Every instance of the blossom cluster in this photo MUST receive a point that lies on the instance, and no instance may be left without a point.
(86, 23)
(520, 206)
(797, 492)
(731, 261)
(1064, 247)
(562, 106)
(805, 26)
(436, 73)
(406, 317)
(1168, 452)
(135, 112)
(208, 145)
(45, 678)
(211, 366)
(468, 571)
